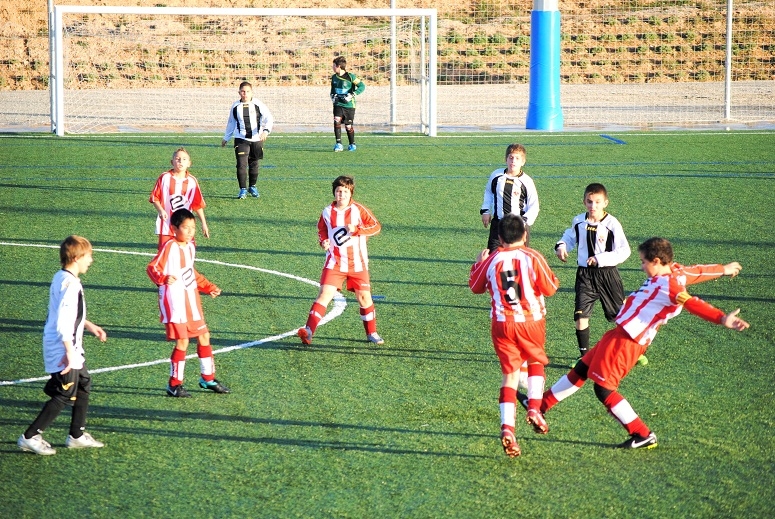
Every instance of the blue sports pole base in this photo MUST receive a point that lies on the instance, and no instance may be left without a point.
(544, 111)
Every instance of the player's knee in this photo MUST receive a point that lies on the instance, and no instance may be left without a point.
(602, 393)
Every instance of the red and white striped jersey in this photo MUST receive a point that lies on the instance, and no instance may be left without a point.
(660, 298)
(348, 251)
(178, 302)
(518, 278)
(174, 194)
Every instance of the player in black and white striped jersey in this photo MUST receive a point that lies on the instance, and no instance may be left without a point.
(509, 191)
(250, 122)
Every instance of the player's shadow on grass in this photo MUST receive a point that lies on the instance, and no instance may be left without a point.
(177, 417)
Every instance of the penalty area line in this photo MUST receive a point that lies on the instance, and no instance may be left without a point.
(339, 304)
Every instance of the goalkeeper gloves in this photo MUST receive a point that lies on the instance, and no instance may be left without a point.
(334, 98)
(348, 98)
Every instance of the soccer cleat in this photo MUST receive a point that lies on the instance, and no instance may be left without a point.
(253, 191)
(573, 363)
(375, 338)
(84, 441)
(510, 445)
(305, 334)
(36, 444)
(637, 441)
(352, 147)
(213, 385)
(338, 147)
(643, 361)
(537, 420)
(177, 392)
(242, 193)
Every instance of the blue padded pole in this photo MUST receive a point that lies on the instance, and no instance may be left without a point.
(544, 111)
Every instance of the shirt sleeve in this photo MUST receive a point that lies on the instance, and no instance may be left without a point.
(156, 194)
(477, 278)
(369, 225)
(700, 308)
(531, 200)
(267, 119)
(231, 125)
(155, 269)
(701, 273)
(489, 197)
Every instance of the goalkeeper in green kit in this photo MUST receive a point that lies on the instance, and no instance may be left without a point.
(344, 87)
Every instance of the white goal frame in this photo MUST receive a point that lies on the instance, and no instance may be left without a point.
(428, 87)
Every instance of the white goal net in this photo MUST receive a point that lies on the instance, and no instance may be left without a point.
(178, 69)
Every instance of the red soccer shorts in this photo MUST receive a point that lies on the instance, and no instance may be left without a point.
(355, 280)
(614, 355)
(185, 330)
(515, 342)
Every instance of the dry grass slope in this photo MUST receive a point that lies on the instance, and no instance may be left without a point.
(481, 41)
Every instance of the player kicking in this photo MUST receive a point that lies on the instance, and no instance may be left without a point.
(661, 297)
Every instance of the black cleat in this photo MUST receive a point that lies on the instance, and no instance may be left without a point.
(637, 441)
(213, 385)
(177, 392)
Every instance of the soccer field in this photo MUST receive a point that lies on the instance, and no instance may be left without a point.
(344, 428)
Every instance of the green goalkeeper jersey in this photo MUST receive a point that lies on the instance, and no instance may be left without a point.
(348, 83)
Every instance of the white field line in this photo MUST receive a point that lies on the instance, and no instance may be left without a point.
(339, 305)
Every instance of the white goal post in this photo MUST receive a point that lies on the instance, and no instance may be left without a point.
(178, 69)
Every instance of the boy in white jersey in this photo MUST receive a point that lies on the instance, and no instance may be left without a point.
(518, 278)
(602, 246)
(63, 348)
(172, 270)
(177, 189)
(659, 299)
(343, 228)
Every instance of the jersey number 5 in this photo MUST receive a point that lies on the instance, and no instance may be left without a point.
(510, 288)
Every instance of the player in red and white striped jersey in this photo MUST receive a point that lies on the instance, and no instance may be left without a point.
(518, 278)
(661, 297)
(343, 228)
(177, 189)
(172, 270)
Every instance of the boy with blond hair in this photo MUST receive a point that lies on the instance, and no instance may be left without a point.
(177, 189)
(63, 352)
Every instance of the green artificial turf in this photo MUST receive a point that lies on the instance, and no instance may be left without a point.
(344, 428)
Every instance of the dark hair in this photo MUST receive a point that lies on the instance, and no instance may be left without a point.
(244, 84)
(72, 248)
(594, 189)
(657, 248)
(180, 216)
(511, 228)
(341, 62)
(343, 180)
(516, 148)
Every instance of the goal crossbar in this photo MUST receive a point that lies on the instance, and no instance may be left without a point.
(57, 43)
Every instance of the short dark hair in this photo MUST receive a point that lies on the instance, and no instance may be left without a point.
(344, 181)
(657, 248)
(180, 216)
(341, 62)
(72, 248)
(511, 228)
(244, 84)
(594, 189)
(516, 148)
